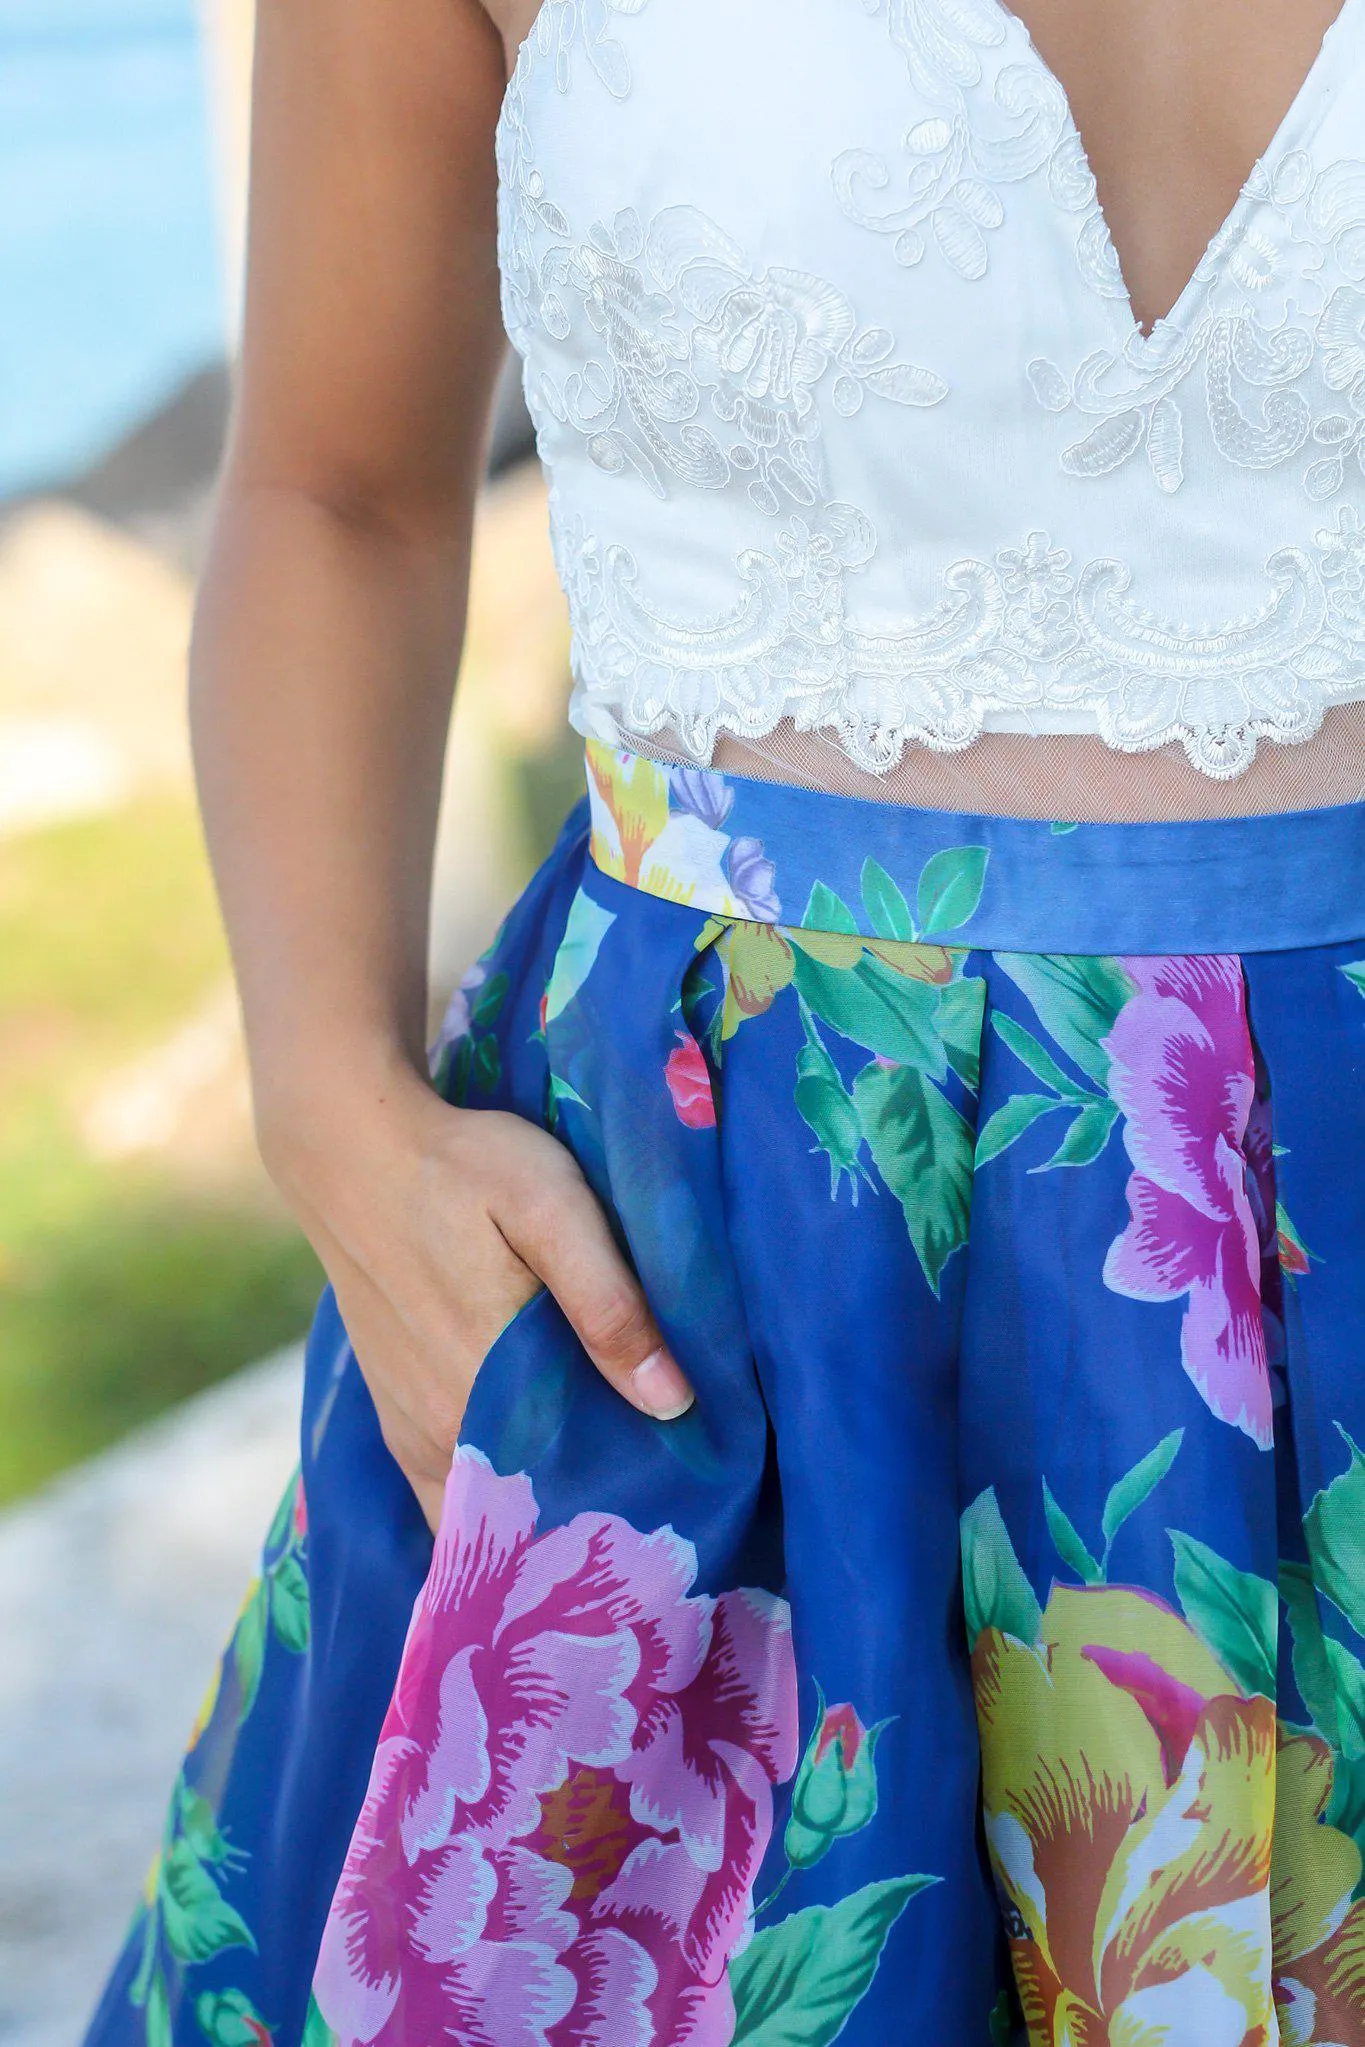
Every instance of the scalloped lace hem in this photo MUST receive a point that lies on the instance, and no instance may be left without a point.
(1076, 775)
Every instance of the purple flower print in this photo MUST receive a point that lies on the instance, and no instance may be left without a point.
(1259, 1147)
(702, 793)
(751, 878)
(571, 1795)
(1182, 1071)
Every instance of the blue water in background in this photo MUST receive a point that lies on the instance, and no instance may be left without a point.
(110, 267)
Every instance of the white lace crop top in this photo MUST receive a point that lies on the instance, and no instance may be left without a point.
(848, 419)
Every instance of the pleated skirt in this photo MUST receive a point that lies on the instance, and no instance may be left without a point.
(982, 1658)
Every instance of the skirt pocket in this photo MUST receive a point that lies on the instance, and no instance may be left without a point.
(524, 1387)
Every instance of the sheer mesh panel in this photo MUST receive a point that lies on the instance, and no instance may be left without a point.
(1063, 775)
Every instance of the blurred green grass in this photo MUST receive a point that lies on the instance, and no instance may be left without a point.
(126, 1283)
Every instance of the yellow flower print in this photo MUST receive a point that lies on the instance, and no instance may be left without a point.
(1130, 1808)
(757, 963)
(629, 810)
(912, 960)
(640, 838)
(1319, 1934)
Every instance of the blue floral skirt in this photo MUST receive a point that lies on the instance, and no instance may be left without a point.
(982, 1658)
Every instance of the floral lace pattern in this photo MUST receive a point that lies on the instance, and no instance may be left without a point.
(949, 195)
(1024, 631)
(563, 25)
(706, 370)
(747, 464)
(1281, 353)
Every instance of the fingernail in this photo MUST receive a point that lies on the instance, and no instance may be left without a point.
(660, 1388)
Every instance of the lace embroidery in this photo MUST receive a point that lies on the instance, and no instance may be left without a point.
(950, 192)
(563, 24)
(1260, 327)
(693, 341)
(682, 317)
(1025, 633)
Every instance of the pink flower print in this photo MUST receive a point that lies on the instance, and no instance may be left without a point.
(1182, 1072)
(689, 1083)
(572, 1792)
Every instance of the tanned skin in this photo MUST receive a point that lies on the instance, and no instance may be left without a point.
(331, 611)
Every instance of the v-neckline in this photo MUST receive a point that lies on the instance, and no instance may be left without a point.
(1296, 115)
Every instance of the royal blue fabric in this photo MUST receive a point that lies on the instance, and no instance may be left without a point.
(998, 1188)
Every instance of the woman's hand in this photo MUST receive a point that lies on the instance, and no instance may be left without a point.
(435, 1225)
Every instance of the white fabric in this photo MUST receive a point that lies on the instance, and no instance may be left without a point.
(851, 428)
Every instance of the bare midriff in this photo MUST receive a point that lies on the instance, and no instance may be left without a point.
(1070, 776)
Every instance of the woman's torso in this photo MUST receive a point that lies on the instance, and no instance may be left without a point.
(872, 463)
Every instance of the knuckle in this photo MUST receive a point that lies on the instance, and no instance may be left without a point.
(616, 1327)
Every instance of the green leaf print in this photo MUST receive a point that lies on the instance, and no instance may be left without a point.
(1010, 1122)
(197, 1920)
(1089, 1130)
(485, 1065)
(887, 910)
(197, 1823)
(1335, 1529)
(1038, 1059)
(1348, 1686)
(1129, 1493)
(1312, 1669)
(1077, 1001)
(316, 2031)
(828, 1110)
(248, 1645)
(1000, 2010)
(995, 1591)
(558, 1095)
(950, 888)
(229, 2019)
(1235, 1613)
(1136, 1487)
(486, 1007)
(586, 925)
(797, 1983)
(827, 912)
(189, 1920)
(887, 1014)
(923, 1150)
(278, 1533)
(278, 1602)
(961, 1011)
(1085, 1140)
(1068, 1543)
(158, 2013)
(1355, 974)
(289, 1603)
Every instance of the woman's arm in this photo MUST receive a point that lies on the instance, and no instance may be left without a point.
(326, 642)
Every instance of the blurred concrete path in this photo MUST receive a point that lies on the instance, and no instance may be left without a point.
(117, 1588)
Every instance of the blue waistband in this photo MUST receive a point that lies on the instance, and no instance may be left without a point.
(777, 854)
